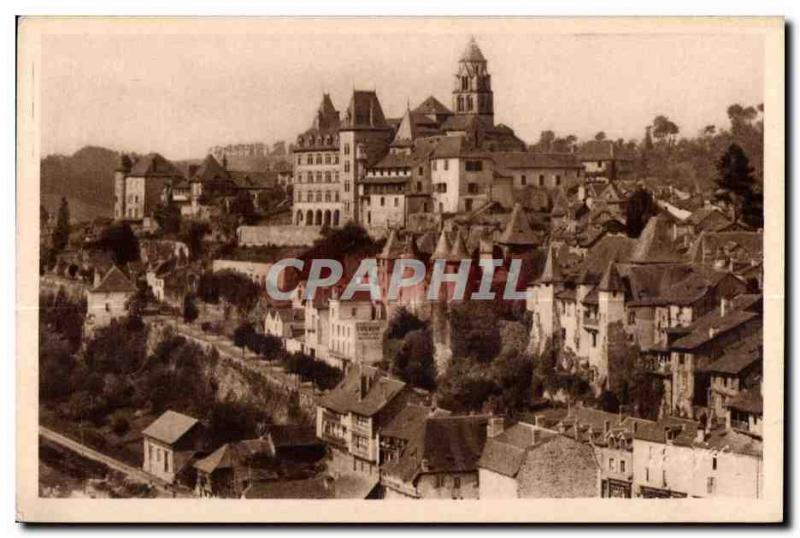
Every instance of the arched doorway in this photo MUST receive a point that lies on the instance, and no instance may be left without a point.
(299, 217)
(309, 218)
(336, 217)
(327, 218)
(318, 218)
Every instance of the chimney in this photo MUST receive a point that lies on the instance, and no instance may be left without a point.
(495, 426)
(364, 387)
(724, 306)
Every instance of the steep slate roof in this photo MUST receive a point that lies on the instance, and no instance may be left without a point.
(518, 230)
(154, 165)
(740, 355)
(655, 244)
(472, 52)
(408, 423)
(326, 118)
(711, 219)
(115, 281)
(364, 112)
(392, 247)
(210, 170)
(684, 431)
(170, 427)
(345, 398)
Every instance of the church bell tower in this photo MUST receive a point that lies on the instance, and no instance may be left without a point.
(472, 93)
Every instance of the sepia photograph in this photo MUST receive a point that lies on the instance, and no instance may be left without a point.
(316, 269)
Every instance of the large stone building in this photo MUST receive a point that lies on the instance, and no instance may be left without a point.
(139, 186)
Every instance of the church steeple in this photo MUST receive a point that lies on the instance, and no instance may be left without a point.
(472, 93)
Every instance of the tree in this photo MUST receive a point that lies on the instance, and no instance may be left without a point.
(402, 323)
(193, 237)
(737, 187)
(512, 372)
(622, 359)
(665, 130)
(414, 362)
(639, 209)
(61, 231)
(242, 333)
(121, 242)
(190, 311)
(600, 136)
(168, 217)
(465, 387)
(474, 330)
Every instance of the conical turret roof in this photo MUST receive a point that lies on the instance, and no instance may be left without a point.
(611, 280)
(552, 271)
(459, 250)
(518, 230)
(392, 247)
(442, 250)
(410, 250)
(406, 131)
(655, 244)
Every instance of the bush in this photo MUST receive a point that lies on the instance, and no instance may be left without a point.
(120, 426)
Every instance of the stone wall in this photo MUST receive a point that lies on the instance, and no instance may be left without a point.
(278, 235)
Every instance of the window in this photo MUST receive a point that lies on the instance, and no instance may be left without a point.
(447, 164)
(622, 466)
(612, 465)
(396, 202)
(108, 307)
(299, 159)
(456, 482)
(714, 463)
(319, 158)
(347, 166)
(541, 180)
(710, 484)
(347, 149)
(166, 462)
(594, 339)
(383, 201)
(464, 83)
(319, 177)
(439, 481)
(346, 186)
(419, 186)
(468, 204)
(433, 165)
(472, 188)
(600, 164)
(327, 177)
(558, 180)
(309, 159)
(309, 177)
(522, 180)
(647, 474)
(421, 171)
(631, 317)
(336, 196)
(335, 158)
(327, 158)
(473, 166)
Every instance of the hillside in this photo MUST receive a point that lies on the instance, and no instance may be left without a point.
(85, 178)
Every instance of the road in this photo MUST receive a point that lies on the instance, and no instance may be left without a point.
(134, 473)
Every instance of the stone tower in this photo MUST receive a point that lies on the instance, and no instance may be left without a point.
(611, 307)
(472, 93)
(120, 173)
(542, 303)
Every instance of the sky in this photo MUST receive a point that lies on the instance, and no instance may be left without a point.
(180, 93)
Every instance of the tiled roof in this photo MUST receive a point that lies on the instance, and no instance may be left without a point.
(505, 453)
(433, 106)
(346, 397)
(407, 423)
(683, 431)
(711, 326)
(529, 159)
(310, 488)
(170, 427)
(210, 170)
(602, 150)
(292, 435)
(114, 281)
(154, 165)
(611, 280)
(442, 250)
(232, 455)
(709, 244)
(749, 400)
(454, 444)
(364, 111)
(740, 355)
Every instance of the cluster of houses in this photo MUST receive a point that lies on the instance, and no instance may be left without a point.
(440, 186)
